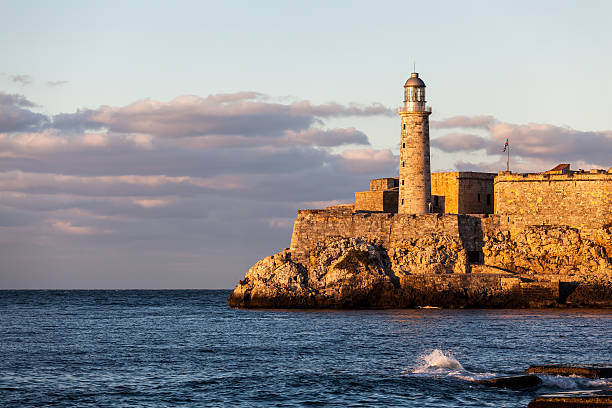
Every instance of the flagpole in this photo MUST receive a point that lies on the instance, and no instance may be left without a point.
(508, 159)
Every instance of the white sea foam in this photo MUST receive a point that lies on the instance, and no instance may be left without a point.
(574, 382)
(437, 360)
(440, 362)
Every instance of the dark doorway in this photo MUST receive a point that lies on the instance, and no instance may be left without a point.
(474, 257)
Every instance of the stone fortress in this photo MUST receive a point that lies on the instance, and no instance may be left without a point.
(453, 239)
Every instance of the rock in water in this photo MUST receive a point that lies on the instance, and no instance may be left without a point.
(347, 273)
(514, 383)
(571, 402)
(591, 371)
(428, 271)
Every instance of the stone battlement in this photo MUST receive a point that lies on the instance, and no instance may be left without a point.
(312, 227)
(576, 198)
(592, 175)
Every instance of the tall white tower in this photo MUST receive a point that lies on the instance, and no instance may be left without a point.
(415, 173)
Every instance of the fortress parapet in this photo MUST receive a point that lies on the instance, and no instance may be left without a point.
(557, 197)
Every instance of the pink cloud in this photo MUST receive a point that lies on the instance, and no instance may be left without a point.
(364, 161)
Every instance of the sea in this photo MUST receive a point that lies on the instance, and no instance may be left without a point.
(187, 348)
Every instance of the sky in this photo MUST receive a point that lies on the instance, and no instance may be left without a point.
(169, 144)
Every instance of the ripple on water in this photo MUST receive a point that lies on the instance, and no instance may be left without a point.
(187, 348)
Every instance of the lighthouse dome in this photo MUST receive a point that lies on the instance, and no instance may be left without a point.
(414, 81)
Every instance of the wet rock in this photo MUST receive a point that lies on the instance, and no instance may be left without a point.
(591, 371)
(518, 382)
(571, 402)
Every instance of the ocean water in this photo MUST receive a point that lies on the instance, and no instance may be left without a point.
(187, 349)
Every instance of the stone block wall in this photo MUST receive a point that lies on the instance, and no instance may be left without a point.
(381, 200)
(445, 185)
(415, 173)
(464, 192)
(581, 200)
(387, 183)
(476, 193)
(312, 227)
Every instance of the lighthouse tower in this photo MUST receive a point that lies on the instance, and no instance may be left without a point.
(415, 174)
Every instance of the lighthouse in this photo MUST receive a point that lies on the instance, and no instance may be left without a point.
(415, 174)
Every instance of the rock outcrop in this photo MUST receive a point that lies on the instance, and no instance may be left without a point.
(586, 401)
(517, 382)
(588, 371)
(534, 267)
(551, 249)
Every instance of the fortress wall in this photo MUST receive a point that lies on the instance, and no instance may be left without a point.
(476, 194)
(446, 185)
(386, 183)
(464, 192)
(379, 200)
(580, 200)
(316, 226)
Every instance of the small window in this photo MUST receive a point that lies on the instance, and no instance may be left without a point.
(402, 182)
(488, 199)
(474, 257)
(402, 164)
(403, 145)
(478, 197)
(404, 126)
(402, 201)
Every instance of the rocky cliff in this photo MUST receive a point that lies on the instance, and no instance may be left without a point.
(539, 266)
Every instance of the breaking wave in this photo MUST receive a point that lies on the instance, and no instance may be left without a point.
(443, 363)
(574, 382)
(439, 362)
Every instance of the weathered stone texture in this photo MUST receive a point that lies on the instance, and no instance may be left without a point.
(579, 200)
(339, 258)
(588, 371)
(464, 192)
(387, 183)
(379, 200)
(549, 249)
(415, 173)
(359, 273)
(314, 226)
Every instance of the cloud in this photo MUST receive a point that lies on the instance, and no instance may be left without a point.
(153, 203)
(457, 142)
(243, 113)
(533, 146)
(368, 161)
(66, 227)
(278, 222)
(15, 114)
(202, 186)
(15, 100)
(551, 142)
(56, 83)
(18, 181)
(480, 122)
(325, 137)
(22, 79)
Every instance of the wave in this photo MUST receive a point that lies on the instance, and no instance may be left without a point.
(574, 382)
(436, 360)
(439, 362)
(443, 363)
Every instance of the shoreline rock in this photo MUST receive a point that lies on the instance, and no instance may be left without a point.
(429, 271)
(517, 382)
(590, 371)
(571, 402)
